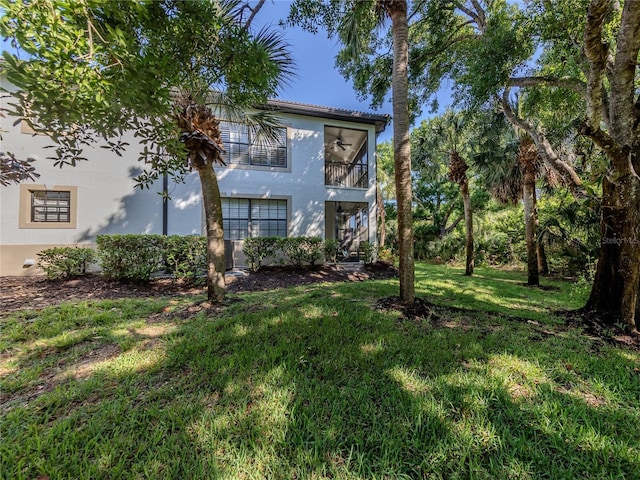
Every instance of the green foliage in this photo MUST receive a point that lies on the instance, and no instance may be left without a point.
(257, 249)
(570, 231)
(367, 251)
(185, 256)
(94, 70)
(64, 262)
(130, 257)
(301, 250)
(331, 247)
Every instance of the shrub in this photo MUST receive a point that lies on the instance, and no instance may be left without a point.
(185, 256)
(386, 254)
(258, 248)
(130, 257)
(301, 250)
(331, 247)
(367, 252)
(64, 262)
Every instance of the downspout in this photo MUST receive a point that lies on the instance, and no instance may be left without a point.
(165, 204)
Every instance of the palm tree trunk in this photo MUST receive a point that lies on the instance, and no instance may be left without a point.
(468, 220)
(215, 234)
(397, 10)
(543, 264)
(530, 220)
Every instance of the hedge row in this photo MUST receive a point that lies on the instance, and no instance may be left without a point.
(130, 257)
(297, 251)
(137, 257)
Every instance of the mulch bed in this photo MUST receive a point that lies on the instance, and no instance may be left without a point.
(18, 293)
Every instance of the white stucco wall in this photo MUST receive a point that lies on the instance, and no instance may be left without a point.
(109, 203)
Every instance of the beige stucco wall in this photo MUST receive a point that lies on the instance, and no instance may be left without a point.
(21, 260)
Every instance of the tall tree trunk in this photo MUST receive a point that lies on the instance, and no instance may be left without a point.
(458, 174)
(528, 156)
(543, 264)
(397, 10)
(616, 286)
(468, 220)
(215, 233)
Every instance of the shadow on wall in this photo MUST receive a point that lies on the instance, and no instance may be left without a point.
(138, 212)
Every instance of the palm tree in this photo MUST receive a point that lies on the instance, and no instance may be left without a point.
(356, 23)
(199, 124)
(445, 137)
(529, 160)
(198, 112)
(510, 165)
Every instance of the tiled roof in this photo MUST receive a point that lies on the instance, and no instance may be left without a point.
(285, 106)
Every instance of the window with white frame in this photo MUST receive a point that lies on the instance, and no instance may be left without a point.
(248, 217)
(243, 148)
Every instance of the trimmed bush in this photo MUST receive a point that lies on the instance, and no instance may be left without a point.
(331, 247)
(64, 262)
(301, 250)
(130, 257)
(258, 248)
(185, 256)
(367, 252)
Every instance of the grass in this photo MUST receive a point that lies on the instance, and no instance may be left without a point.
(312, 383)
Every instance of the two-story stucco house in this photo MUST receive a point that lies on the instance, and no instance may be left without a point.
(319, 180)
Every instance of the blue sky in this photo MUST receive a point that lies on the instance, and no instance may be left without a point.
(318, 82)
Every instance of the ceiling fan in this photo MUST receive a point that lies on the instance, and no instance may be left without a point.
(339, 142)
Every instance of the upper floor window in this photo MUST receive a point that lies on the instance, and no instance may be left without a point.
(244, 149)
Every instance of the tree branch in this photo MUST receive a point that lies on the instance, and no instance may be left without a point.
(254, 12)
(560, 82)
(623, 81)
(477, 17)
(606, 143)
(451, 228)
(546, 151)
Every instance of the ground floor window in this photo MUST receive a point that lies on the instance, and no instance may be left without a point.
(248, 217)
(48, 206)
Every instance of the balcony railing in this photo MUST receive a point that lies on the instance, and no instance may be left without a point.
(339, 174)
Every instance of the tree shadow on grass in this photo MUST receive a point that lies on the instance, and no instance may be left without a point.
(313, 383)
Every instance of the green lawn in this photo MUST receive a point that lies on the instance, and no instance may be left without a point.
(314, 383)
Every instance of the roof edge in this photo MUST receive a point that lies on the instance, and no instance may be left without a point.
(380, 121)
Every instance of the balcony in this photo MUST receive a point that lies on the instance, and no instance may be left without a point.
(346, 158)
(337, 174)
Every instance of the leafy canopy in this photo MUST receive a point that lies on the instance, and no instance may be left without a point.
(95, 69)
